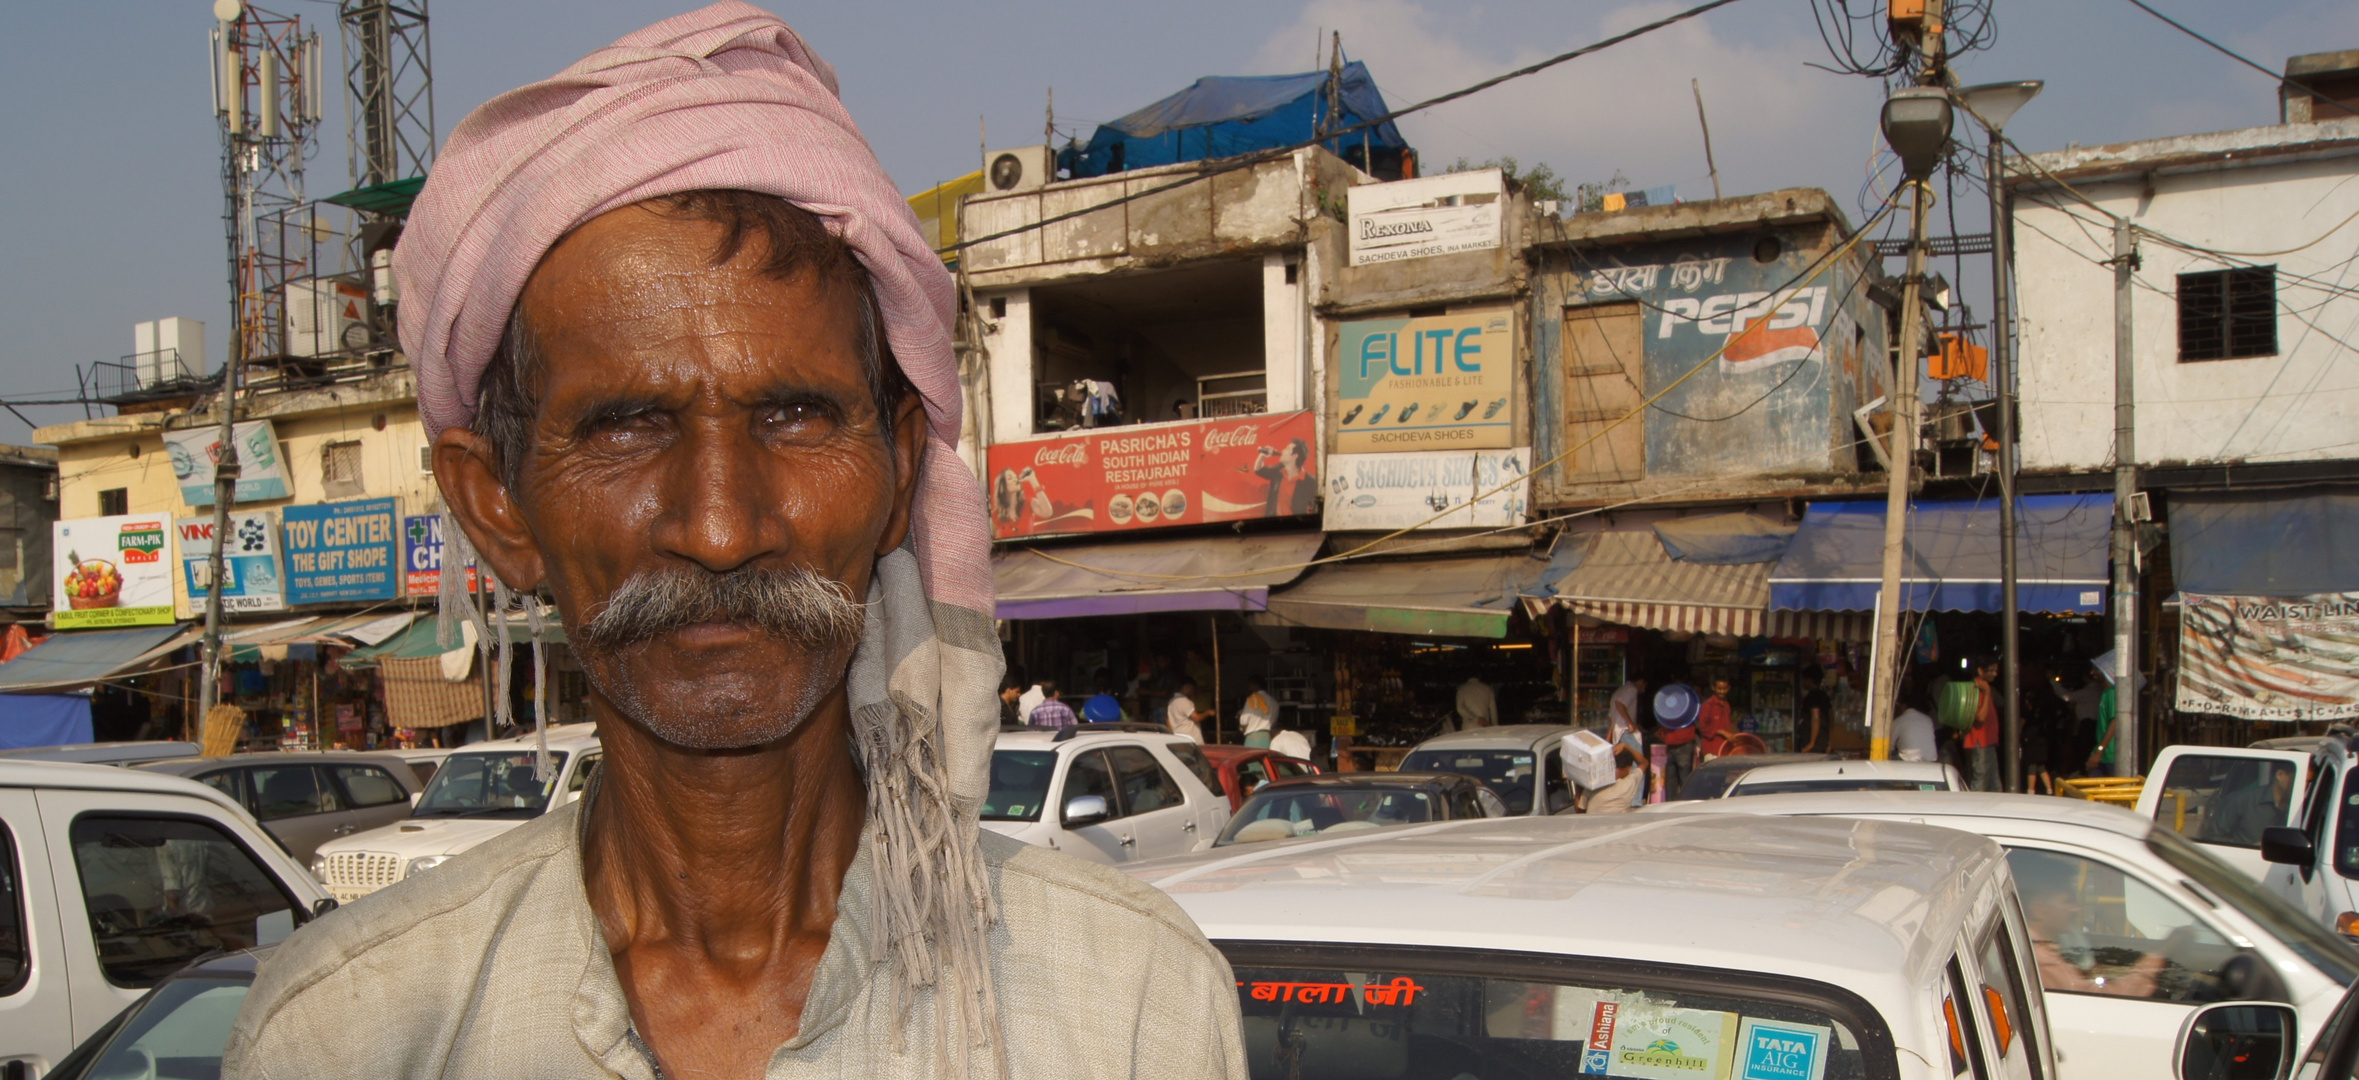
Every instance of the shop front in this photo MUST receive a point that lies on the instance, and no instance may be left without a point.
(2267, 607)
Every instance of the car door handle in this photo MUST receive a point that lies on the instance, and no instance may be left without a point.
(347, 830)
(1129, 841)
(1188, 826)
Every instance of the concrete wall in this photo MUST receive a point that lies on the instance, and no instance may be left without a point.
(2299, 405)
(28, 504)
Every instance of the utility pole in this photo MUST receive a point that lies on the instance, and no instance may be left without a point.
(1994, 104)
(1698, 86)
(2125, 488)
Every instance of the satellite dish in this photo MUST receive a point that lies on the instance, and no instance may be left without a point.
(228, 10)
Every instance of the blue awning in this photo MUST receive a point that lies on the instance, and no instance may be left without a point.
(2283, 542)
(28, 720)
(73, 660)
(1224, 115)
(1951, 559)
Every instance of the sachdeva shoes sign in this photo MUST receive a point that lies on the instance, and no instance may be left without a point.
(1148, 476)
(1444, 382)
(111, 571)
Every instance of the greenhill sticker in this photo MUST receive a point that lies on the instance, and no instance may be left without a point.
(1660, 1043)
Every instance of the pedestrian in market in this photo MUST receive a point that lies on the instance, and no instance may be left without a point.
(1624, 706)
(1814, 721)
(1981, 742)
(1292, 743)
(1628, 791)
(684, 357)
(1052, 710)
(2102, 758)
(1029, 700)
(1011, 692)
(1914, 735)
(1182, 716)
(1478, 705)
(1715, 722)
(1258, 714)
(1103, 707)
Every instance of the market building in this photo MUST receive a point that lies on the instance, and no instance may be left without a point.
(2246, 423)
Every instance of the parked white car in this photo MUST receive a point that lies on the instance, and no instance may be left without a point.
(112, 879)
(2135, 927)
(2224, 798)
(1624, 945)
(480, 791)
(1812, 777)
(1109, 793)
(1523, 763)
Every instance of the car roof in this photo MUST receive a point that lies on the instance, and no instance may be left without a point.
(561, 737)
(1046, 738)
(1749, 762)
(1368, 780)
(104, 753)
(77, 776)
(1834, 769)
(242, 962)
(1502, 737)
(1928, 804)
(189, 766)
(1854, 903)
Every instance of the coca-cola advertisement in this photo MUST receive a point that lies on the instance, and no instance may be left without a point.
(1155, 475)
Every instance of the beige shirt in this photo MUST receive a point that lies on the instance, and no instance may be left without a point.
(493, 965)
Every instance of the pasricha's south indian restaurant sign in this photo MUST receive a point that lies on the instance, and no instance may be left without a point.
(1153, 475)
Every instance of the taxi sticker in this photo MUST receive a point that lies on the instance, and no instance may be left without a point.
(1776, 1050)
(1595, 1052)
(1666, 1043)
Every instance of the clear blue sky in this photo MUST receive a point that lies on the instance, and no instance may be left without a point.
(110, 200)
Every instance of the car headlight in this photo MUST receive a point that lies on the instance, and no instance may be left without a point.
(319, 867)
(423, 862)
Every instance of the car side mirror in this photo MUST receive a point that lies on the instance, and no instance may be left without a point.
(1085, 810)
(2287, 845)
(2237, 1040)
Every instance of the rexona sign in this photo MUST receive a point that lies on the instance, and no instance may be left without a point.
(1154, 475)
(1431, 215)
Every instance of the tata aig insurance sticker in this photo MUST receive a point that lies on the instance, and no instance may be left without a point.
(1661, 1043)
(1774, 1050)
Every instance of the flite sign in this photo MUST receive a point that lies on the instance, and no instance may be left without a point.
(1149, 476)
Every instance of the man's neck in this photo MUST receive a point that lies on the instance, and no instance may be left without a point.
(715, 874)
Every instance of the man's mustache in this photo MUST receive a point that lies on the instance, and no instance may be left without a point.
(794, 604)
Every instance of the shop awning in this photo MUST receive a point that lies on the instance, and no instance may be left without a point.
(1202, 573)
(2283, 542)
(1951, 560)
(1459, 597)
(1628, 578)
(80, 658)
(297, 637)
(418, 640)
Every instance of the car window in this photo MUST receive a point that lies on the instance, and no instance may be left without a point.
(1288, 769)
(2004, 1005)
(1353, 1017)
(1192, 756)
(181, 1031)
(500, 784)
(2332, 954)
(584, 773)
(368, 785)
(2346, 829)
(1463, 804)
(1279, 813)
(163, 891)
(229, 782)
(1146, 788)
(1509, 772)
(1253, 773)
(1019, 784)
(2096, 930)
(2321, 800)
(1090, 775)
(1957, 1014)
(425, 771)
(285, 791)
(1553, 781)
(2215, 799)
(1797, 787)
(16, 954)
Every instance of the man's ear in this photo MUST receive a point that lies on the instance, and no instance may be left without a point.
(474, 488)
(909, 457)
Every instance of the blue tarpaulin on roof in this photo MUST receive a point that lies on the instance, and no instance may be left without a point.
(2285, 542)
(44, 720)
(1226, 115)
(81, 658)
(1951, 559)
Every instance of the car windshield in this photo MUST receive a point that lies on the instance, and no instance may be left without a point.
(1351, 1018)
(1509, 772)
(180, 1031)
(2225, 800)
(1019, 784)
(1311, 809)
(1832, 783)
(495, 785)
(1710, 783)
(2336, 958)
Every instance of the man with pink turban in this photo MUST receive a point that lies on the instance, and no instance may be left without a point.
(686, 359)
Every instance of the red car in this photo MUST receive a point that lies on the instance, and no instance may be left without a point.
(1244, 768)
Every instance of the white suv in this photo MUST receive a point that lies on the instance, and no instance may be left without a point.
(1109, 793)
(482, 790)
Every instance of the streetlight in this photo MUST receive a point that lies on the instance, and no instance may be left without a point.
(1993, 104)
(1916, 123)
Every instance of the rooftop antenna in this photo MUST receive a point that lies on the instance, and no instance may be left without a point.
(1334, 86)
(1048, 134)
(1698, 87)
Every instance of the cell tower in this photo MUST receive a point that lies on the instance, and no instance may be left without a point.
(267, 93)
(389, 118)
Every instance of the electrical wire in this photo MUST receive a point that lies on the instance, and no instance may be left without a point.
(1248, 161)
(2231, 54)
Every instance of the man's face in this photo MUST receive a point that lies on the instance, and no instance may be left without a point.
(2281, 784)
(1987, 672)
(694, 421)
(2051, 914)
(1720, 688)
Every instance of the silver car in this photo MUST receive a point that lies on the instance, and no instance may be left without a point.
(1523, 763)
(308, 799)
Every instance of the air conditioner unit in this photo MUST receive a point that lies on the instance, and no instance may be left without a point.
(1024, 168)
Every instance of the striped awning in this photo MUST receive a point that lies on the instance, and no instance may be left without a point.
(1627, 578)
(1694, 618)
(1822, 625)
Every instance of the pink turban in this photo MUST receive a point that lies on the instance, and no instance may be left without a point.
(728, 97)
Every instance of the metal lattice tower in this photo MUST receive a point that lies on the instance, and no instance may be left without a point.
(389, 82)
(268, 91)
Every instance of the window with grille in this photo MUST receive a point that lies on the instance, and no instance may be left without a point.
(340, 469)
(113, 501)
(2228, 314)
